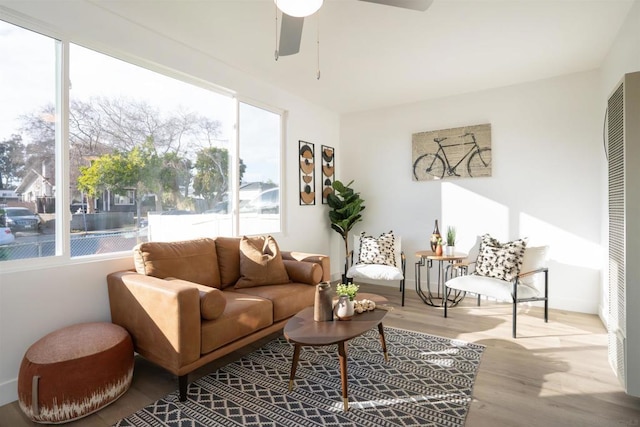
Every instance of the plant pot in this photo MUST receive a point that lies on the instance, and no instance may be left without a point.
(344, 309)
(450, 250)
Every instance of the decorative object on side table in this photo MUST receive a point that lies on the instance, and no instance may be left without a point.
(435, 236)
(451, 241)
(346, 206)
(438, 250)
(345, 308)
(322, 309)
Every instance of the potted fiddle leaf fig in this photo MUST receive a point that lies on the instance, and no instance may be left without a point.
(346, 207)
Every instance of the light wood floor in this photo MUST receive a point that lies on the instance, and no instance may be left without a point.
(553, 374)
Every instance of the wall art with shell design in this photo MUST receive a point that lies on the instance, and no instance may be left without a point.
(307, 173)
(328, 171)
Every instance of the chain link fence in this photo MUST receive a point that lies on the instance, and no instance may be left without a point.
(82, 244)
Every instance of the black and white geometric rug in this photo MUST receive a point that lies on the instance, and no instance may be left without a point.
(428, 381)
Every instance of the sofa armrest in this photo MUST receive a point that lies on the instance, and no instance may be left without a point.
(162, 317)
(323, 260)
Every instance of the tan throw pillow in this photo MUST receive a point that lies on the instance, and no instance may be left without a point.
(191, 260)
(228, 250)
(260, 263)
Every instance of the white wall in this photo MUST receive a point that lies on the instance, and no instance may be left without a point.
(546, 183)
(36, 302)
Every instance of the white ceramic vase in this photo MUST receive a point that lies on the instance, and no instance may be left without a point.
(449, 250)
(344, 308)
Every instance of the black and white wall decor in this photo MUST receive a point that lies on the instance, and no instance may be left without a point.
(306, 153)
(328, 171)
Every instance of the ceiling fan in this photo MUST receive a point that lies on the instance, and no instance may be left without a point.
(294, 11)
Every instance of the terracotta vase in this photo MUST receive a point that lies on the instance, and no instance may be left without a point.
(438, 250)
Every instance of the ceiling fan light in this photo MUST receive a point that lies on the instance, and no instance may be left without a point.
(298, 8)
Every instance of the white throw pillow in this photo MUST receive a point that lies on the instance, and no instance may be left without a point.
(534, 258)
(379, 250)
(500, 260)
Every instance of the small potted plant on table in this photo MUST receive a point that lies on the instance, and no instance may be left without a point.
(344, 309)
(451, 241)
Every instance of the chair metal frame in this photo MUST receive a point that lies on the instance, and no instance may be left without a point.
(514, 294)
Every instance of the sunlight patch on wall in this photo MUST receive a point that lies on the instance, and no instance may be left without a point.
(564, 247)
(472, 215)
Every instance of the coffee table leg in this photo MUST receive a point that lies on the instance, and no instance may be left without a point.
(342, 353)
(383, 342)
(294, 365)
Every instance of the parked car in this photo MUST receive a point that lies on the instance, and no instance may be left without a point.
(22, 219)
(77, 208)
(6, 236)
(266, 202)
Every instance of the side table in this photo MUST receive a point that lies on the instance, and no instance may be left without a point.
(427, 258)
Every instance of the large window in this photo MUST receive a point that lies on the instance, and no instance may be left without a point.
(28, 131)
(150, 157)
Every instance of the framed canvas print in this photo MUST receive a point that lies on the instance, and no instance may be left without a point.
(463, 152)
(328, 171)
(306, 153)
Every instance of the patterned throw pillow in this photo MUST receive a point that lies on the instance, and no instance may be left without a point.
(377, 251)
(500, 260)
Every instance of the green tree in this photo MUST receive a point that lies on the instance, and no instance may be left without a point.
(138, 169)
(212, 177)
(11, 160)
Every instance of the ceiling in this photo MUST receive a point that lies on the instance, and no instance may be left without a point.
(373, 56)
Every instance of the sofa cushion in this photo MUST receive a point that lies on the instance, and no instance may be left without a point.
(243, 315)
(303, 272)
(287, 299)
(191, 260)
(260, 263)
(500, 261)
(491, 287)
(228, 250)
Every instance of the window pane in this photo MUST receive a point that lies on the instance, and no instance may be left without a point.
(149, 155)
(259, 195)
(27, 143)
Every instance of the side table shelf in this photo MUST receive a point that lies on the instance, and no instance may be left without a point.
(427, 258)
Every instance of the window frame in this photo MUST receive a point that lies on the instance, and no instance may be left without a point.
(62, 150)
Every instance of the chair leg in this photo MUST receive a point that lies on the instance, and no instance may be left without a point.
(444, 299)
(546, 296)
(402, 289)
(478, 300)
(515, 310)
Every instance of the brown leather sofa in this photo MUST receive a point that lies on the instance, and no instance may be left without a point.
(189, 303)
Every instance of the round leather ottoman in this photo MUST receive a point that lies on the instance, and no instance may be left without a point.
(75, 371)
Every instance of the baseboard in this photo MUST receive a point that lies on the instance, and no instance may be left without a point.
(8, 391)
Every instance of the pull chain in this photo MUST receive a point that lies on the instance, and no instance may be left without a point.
(276, 9)
(318, 48)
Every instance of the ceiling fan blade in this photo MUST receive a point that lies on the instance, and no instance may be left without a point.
(420, 5)
(290, 35)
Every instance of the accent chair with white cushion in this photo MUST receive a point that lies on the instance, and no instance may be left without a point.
(378, 258)
(506, 272)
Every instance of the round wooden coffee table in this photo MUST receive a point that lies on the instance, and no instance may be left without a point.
(302, 330)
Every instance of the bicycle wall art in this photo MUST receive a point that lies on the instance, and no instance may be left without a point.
(463, 152)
